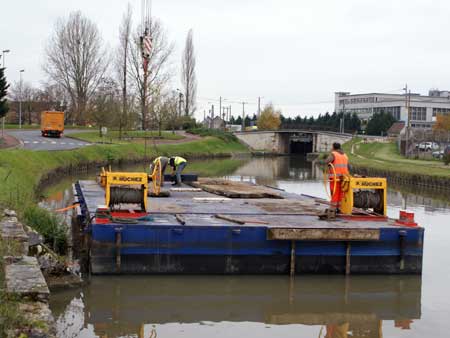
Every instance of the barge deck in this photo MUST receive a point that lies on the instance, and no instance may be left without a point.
(199, 232)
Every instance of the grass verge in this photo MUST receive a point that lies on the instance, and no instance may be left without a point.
(228, 137)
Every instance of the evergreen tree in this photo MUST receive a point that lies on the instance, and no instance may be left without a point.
(380, 123)
(247, 121)
(3, 93)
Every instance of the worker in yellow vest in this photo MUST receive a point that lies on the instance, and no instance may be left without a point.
(339, 160)
(178, 164)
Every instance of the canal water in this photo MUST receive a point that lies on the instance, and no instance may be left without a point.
(269, 306)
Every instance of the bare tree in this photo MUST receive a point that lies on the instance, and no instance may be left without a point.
(122, 63)
(172, 111)
(76, 60)
(34, 100)
(105, 107)
(188, 78)
(54, 97)
(165, 110)
(24, 93)
(159, 70)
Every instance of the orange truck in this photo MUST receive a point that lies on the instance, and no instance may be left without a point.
(52, 123)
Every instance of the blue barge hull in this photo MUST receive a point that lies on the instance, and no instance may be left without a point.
(291, 236)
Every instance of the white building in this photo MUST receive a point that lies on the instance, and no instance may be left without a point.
(423, 108)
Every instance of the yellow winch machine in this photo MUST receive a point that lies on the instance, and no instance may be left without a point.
(129, 187)
(360, 194)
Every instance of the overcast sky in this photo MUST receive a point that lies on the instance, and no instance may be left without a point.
(293, 53)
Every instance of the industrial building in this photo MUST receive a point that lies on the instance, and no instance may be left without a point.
(424, 108)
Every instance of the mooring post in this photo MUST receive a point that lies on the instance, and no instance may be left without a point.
(118, 246)
(402, 239)
(292, 270)
(347, 259)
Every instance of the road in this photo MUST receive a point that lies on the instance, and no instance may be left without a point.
(32, 140)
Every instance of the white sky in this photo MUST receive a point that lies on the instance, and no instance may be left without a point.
(294, 53)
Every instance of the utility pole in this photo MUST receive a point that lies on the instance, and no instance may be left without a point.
(341, 126)
(408, 117)
(259, 106)
(20, 99)
(220, 106)
(243, 115)
(223, 119)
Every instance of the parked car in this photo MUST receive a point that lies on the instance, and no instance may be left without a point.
(427, 146)
(438, 154)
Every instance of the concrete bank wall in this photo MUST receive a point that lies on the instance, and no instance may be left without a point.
(262, 141)
(24, 280)
(323, 142)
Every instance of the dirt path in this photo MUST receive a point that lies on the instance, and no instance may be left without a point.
(187, 138)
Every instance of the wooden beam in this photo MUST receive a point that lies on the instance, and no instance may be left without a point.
(323, 234)
(229, 219)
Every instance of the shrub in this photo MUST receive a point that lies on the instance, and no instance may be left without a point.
(269, 119)
(49, 226)
(446, 159)
(187, 122)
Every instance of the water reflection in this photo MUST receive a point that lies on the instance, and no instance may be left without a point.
(131, 305)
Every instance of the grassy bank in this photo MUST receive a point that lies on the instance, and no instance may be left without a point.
(384, 159)
(127, 136)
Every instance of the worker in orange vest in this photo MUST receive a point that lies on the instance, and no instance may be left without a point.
(340, 162)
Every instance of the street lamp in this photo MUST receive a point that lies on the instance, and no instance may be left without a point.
(20, 99)
(4, 52)
(259, 105)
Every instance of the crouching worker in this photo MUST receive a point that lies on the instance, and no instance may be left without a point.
(178, 164)
(163, 160)
(339, 160)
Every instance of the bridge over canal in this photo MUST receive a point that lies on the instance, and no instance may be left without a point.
(291, 141)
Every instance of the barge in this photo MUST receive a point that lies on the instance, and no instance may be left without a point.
(197, 230)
